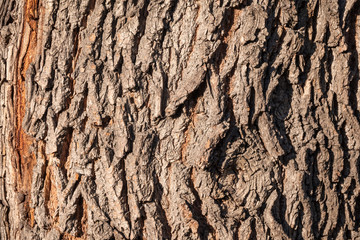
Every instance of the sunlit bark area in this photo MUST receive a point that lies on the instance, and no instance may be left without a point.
(179, 119)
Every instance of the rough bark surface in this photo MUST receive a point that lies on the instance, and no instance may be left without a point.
(179, 119)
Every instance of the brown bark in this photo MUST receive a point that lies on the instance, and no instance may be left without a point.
(174, 119)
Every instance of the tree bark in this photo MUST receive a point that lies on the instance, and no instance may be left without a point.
(179, 119)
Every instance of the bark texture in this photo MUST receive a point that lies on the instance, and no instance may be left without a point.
(179, 119)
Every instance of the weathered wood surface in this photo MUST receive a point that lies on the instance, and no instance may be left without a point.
(179, 119)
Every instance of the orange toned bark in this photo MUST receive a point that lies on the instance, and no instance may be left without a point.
(84, 220)
(67, 236)
(23, 142)
(51, 199)
(235, 14)
(187, 133)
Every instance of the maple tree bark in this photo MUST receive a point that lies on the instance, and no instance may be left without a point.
(179, 119)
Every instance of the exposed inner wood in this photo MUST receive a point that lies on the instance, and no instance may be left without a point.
(24, 143)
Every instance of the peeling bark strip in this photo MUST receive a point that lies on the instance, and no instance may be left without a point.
(179, 119)
(23, 142)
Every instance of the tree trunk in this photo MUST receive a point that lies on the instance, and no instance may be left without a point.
(179, 119)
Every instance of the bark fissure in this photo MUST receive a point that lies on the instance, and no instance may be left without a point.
(24, 142)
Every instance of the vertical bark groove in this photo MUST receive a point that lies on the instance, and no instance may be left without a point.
(24, 142)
